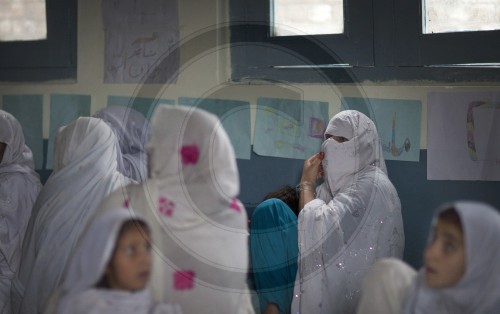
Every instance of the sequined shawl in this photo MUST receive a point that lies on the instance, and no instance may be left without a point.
(353, 222)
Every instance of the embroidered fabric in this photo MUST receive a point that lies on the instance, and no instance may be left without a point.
(355, 220)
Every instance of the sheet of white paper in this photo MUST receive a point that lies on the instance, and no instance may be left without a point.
(140, 41)
(463, 136)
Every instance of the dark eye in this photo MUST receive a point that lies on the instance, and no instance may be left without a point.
(327, 136)
(449, 247)
(130, 251)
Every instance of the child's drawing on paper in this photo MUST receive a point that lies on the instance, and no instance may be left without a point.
(391, 147)
(289, 128)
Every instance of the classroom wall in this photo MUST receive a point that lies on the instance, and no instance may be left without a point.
(205, 72)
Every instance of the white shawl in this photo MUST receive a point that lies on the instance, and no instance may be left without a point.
(19, 187)
(132, 130)
(199, 226)
(385, 286)
(356, 220)
(78, 293)
(85, 172)
(478, 291)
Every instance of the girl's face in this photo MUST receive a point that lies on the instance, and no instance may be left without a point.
(130, 265)
(445, 256)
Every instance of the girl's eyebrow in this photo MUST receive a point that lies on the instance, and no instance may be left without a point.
(451, 237)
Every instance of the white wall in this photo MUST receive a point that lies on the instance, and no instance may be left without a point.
(207, 74)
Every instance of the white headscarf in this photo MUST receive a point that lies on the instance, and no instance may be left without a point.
(132, 131)
(348, 158)
(478, 291)
(78, 292)
(190, 202)
(19, 187)
(85, 172)
(355, 220)
(385, 286)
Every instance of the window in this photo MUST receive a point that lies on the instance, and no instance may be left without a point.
(460, 16)
(382, 40)
(23, 20)
(313, 17)
(44, 59)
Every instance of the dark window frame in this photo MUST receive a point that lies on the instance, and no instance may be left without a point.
(41, 60)
(396, 46)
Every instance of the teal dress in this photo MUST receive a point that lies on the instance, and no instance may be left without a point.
(274, 251)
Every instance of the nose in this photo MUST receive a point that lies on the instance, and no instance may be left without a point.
(430, 252)
(145, 257)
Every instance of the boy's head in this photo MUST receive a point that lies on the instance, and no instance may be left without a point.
(287, 194)
(130, 265)
(445, 255)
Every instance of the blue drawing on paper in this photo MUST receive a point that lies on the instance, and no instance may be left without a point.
(289, 128)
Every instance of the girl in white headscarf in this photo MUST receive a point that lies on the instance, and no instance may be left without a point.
(132, 130)
(19, 187)
(459, 277)
(200, 258)
(85, 172)
(354, 220)
(461, 272)
(110, 269)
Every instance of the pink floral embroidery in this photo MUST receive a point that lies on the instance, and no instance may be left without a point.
(166, 206)
(235, 205)
(190, 154)
(184, 280)
(125, 203)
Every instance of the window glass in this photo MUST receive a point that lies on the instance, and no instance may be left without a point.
(307, 17)
(22, 20)
(446, 16)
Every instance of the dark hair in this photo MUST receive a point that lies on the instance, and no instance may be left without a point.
(287, 194)
(131, 224)
(451, 216)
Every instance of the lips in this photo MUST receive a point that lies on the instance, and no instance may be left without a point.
(144, 275)
(429, 270)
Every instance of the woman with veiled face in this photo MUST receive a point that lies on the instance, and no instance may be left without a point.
(347, 222)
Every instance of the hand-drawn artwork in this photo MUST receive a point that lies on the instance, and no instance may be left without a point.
(398, 124)
(289, 128)
(317, 128)
(471, 142)
(139, 34)
(391, 147)
(235, 118)
(464, 132)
